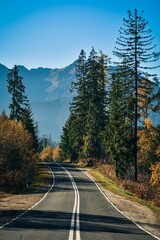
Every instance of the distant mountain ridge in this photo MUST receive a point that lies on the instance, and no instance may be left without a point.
(48, 91)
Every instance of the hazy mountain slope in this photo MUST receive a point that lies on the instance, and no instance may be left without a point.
(49, 93)
(4, 95)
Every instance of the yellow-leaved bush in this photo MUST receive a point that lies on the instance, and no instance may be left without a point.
(155, 178)
(155, 168)
(56, 153)
(17, 157)
(49, 154)
(147, 144)
(46, 153)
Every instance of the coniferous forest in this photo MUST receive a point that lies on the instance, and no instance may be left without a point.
(109, 125)
(109, 122)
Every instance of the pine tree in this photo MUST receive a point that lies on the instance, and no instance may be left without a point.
(82, 133)
(136, 48)
(79, 104)
(102, 92)
(64, 143)
(30, 125)
(17, 91)
(118, 135)
(96, 115)
(68, 145)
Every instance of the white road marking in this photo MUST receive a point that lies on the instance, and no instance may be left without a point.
(117, 208)
(20, 215)
(75, 223)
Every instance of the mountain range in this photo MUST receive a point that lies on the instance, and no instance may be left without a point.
(48, 91)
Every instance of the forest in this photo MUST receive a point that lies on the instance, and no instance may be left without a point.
(109, 125)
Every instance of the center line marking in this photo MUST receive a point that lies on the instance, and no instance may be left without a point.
(75, 223)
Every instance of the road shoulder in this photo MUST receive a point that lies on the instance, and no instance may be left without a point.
(136, 212)
(12, 205)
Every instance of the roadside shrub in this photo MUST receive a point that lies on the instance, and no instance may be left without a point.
(89, 162)
(108, 170)
(17, 161)
(56, 153)
(143, 190)
(155, 178)
(46, 154)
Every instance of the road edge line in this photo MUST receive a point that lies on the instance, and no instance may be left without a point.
(23, 213)
(105, 195)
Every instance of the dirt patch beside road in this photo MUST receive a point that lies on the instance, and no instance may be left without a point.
(136, 212)
(11, 205)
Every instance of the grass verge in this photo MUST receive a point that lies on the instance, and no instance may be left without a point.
(108, 184)
(42, 178)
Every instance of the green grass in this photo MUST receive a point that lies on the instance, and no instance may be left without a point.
(108, 184)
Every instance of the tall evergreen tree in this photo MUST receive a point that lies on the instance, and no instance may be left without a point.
(79, 104)
(119, 131)
(136, 48)
(81, 134)
(96, 115)
(30, 125)
(17, 90)
(68, 145)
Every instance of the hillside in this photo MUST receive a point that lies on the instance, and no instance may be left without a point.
(49, 93)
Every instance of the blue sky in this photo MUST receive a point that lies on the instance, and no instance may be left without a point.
(51, 33)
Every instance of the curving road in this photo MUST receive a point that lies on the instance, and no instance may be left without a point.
(74, 209)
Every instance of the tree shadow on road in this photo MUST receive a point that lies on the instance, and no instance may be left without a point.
(55, 221)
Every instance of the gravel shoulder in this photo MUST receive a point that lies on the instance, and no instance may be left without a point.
(11, 205)
(138, 213)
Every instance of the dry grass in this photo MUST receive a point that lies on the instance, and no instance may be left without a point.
(41, 180)
(14, 202)
(130, 190)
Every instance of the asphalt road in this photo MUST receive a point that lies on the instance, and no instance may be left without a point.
(74, 209)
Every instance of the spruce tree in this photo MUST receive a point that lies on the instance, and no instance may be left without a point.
(119, 131)
(136, 48)
(68, 145)
(79, 104)
(96, 115)
(81, 135)
(30, 125)
(64, 143)
(17, 90)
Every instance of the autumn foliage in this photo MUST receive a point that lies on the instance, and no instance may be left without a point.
(46, 153)
(147, 144)
(50, 154)
(155, 179)
(56, 153)
(17, 158)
